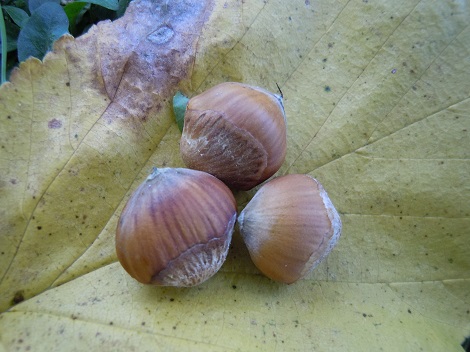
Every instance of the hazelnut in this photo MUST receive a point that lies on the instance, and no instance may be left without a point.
(176, 228)
(289, 227)
(235, 132)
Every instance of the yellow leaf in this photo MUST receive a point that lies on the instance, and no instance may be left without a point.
(377, 97)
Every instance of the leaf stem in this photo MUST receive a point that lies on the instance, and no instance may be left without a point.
(3, 34)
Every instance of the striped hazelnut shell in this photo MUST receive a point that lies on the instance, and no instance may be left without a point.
(289, 227)
(235, 132)
(176, 228)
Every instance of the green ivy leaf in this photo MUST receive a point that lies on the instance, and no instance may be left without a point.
(122, 6)
(109, 4)
(179, 108)
(74, 11)
(46, 24)
(12, 32)
(33, 5)
(18, 15)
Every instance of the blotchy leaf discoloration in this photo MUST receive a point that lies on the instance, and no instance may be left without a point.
(97, 107)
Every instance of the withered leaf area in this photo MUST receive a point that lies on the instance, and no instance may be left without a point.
(77, 129)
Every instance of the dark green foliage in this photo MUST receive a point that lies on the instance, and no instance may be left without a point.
(29, 28)
(47, 23)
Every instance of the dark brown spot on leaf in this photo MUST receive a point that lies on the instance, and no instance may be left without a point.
(18, 297)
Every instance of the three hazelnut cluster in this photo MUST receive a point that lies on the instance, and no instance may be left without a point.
(176, 228)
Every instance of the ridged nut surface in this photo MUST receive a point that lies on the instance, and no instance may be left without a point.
(235, 132)
(289, 227)
(176, 228)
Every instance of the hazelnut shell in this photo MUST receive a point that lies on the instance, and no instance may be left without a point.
(289, 227)
(235, 132)
(176, 228)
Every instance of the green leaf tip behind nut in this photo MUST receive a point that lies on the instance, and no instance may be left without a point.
(179, 108)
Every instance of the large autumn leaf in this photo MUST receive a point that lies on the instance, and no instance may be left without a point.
(377, 96)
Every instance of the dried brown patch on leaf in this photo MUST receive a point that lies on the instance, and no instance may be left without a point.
(78, 127)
